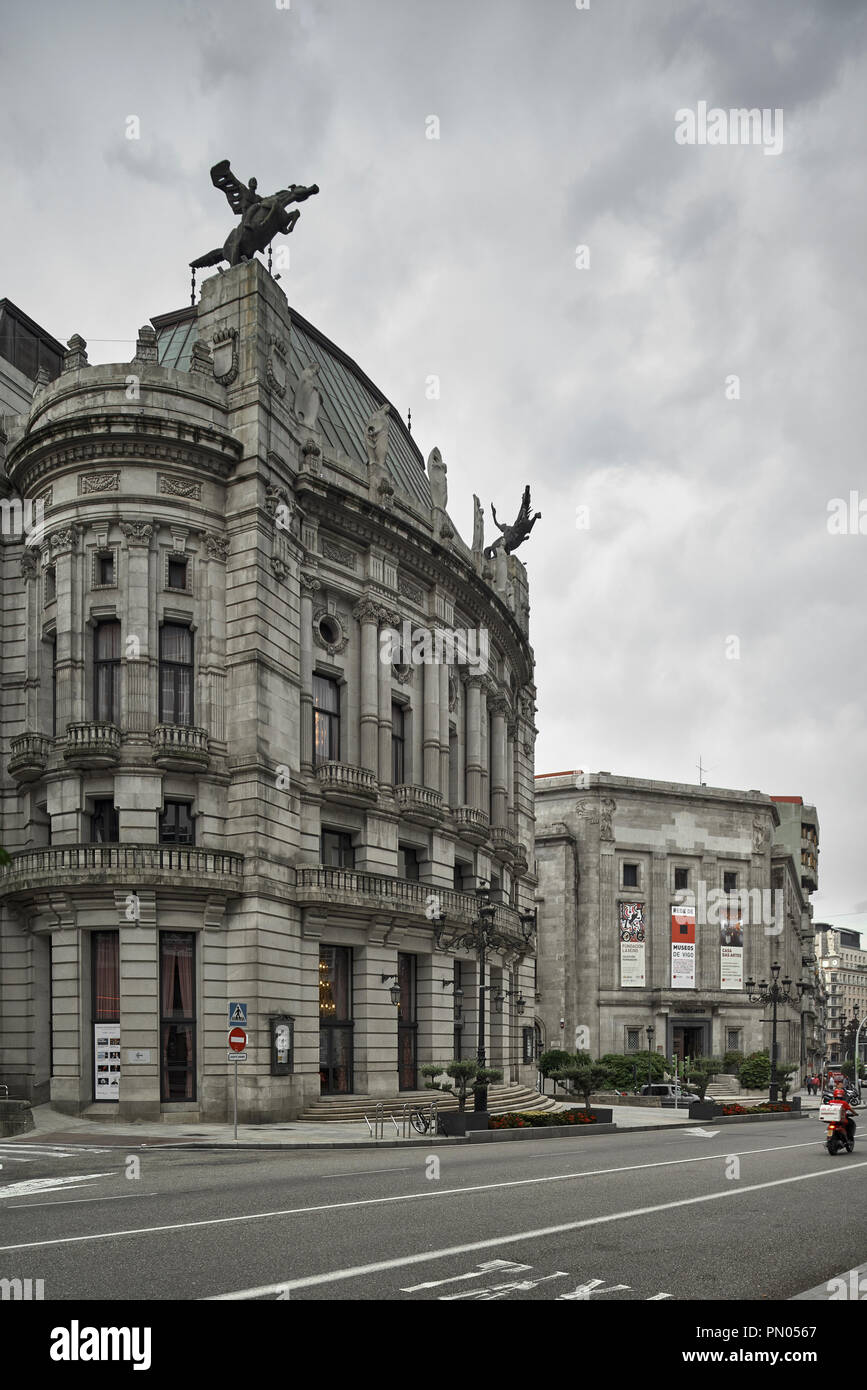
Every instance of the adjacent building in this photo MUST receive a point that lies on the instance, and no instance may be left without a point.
(658, 901)
(221, 778)
(843, 963)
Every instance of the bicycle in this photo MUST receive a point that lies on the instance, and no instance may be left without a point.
(423, 1122)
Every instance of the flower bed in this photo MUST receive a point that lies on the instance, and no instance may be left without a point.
(541, 1119)
(766, 1108)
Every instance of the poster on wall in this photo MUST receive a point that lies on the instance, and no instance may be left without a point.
(683, 947)
(632, 946)
(106, 1061)
(731, 949)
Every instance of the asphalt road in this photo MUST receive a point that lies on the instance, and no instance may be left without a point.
(756, 1211)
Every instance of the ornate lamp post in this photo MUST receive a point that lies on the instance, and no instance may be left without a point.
(775, 993)
(481, 937)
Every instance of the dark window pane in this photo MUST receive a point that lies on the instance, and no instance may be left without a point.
(105, 946)
(177, 574)
(176, 823)
(335, 967)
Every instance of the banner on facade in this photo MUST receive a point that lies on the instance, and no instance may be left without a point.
(731, 949)
(106, 1061)
(632, 946)
(683, 947)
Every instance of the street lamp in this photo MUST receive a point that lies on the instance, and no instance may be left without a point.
(395, 989)
(481, 937)
(775, 993)
(650, 1032)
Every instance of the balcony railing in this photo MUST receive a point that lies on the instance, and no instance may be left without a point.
(471, 824)
(344, 782)
(95, 744)
(420, 804)
(29, 756)
(180, 745)
(127, 864)
(399, 896)
(504, 845)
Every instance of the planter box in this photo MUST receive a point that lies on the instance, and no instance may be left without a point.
(455, 1124)
(704, 1110)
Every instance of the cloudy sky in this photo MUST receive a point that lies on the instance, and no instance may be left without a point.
(693, 380)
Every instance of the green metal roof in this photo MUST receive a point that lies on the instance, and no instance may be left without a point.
(349, 397)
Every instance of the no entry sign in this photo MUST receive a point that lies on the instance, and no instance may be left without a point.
(237, 1040)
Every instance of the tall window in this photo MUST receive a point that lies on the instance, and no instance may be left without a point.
(176, 674)
(335, 850)
(458, 1010)
(52, 650)
(407, 1024)
(104, 823)
(106, 672)
(177, 1016)
(681, 878)
(730, 883)
(407, 863)
(630, 875)
(397, 745)
(105, 947)
(177, 826)
(326, 720)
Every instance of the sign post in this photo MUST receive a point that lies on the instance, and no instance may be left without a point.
(237, 1041)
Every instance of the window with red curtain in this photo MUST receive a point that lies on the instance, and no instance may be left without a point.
(105, 946)
(177, 1015)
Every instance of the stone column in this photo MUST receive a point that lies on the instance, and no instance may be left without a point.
(375, 1032)
(70, 630)
(383, 673)
(473, 689)
(368, 615)
(138, 663)
(431, 726)
(32, 645)
(498, 763)
(511, 736)
(309, 585)
(485, 758)
(444, 731)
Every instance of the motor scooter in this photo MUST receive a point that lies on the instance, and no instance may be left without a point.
(837, 1133)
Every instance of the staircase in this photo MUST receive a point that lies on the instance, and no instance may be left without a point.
(500, 1100)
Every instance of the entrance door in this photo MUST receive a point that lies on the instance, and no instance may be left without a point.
(335, 1059)
(407, 1025)
(687, 1040)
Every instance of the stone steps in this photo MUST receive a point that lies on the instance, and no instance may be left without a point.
(354, 1108)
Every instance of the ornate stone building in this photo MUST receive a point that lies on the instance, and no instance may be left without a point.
(657, 903)
(217, 782)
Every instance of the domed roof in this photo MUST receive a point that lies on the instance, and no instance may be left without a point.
(349, 397)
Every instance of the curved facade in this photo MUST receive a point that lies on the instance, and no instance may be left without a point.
(223, 776)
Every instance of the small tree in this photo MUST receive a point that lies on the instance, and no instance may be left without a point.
(732, 1063)
(755, 1072)
(586, 1077)
(465, 1076)
(784, 1077)
(700, 1073)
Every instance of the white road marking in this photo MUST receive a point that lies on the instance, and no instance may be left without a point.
(495, 1291)
(25, 1189)
(338, 1276)
(585, 1292)
(489, 1267)
(77, 1201)
(49, 1150)
(380, 1201)
(702, 1133)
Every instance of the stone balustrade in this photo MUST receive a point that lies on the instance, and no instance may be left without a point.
(420, 804)
(472, 824)
(129, 865)
(29, 756)
(180, 746)
(401, 897)
(94, 744)
(344, 782)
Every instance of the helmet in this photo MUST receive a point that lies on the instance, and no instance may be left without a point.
(839, 1093)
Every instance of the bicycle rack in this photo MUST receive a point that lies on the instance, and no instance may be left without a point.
(377, 1130)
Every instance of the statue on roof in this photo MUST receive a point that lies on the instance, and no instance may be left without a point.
(261, 218)
(514, 535)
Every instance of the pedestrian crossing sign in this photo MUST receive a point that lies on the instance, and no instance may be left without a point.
(237, 1012)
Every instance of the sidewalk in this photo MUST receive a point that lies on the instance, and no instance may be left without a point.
(52, 1127)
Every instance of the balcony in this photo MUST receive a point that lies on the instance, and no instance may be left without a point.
(354, 786)
(122, 865)
(471, 824)
(400, 898)
(29, 757)
(422, 805)
(94, 745)
(505, 848)
(180, 747)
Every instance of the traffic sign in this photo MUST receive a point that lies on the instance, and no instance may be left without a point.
(237, 1040)
(236, 1056)
(237, 1012)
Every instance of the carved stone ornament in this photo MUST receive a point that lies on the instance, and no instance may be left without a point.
(307, 397)
(275, 367)
(759, 836)
(310, 455)
(332, 648)
(29, 564)
(64, 540)
(453, 693)
(309, 583)
(99, 482)
(367, 612)
(225, 350)
(137, 532)
(216, 546)
(46, 495)
(410, 591)
(171, 486)
(587, 810)
(279, 568)
(607, 807)
(274, 497)
(403, 673)
(338, 553)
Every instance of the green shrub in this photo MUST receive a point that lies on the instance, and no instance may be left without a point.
(755, 1072)
(622, 1066)
(554, 1058)
(732, 1063)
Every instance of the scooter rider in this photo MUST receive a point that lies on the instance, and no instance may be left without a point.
(847, 1113)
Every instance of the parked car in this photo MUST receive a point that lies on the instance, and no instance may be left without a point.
(667, 1090)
